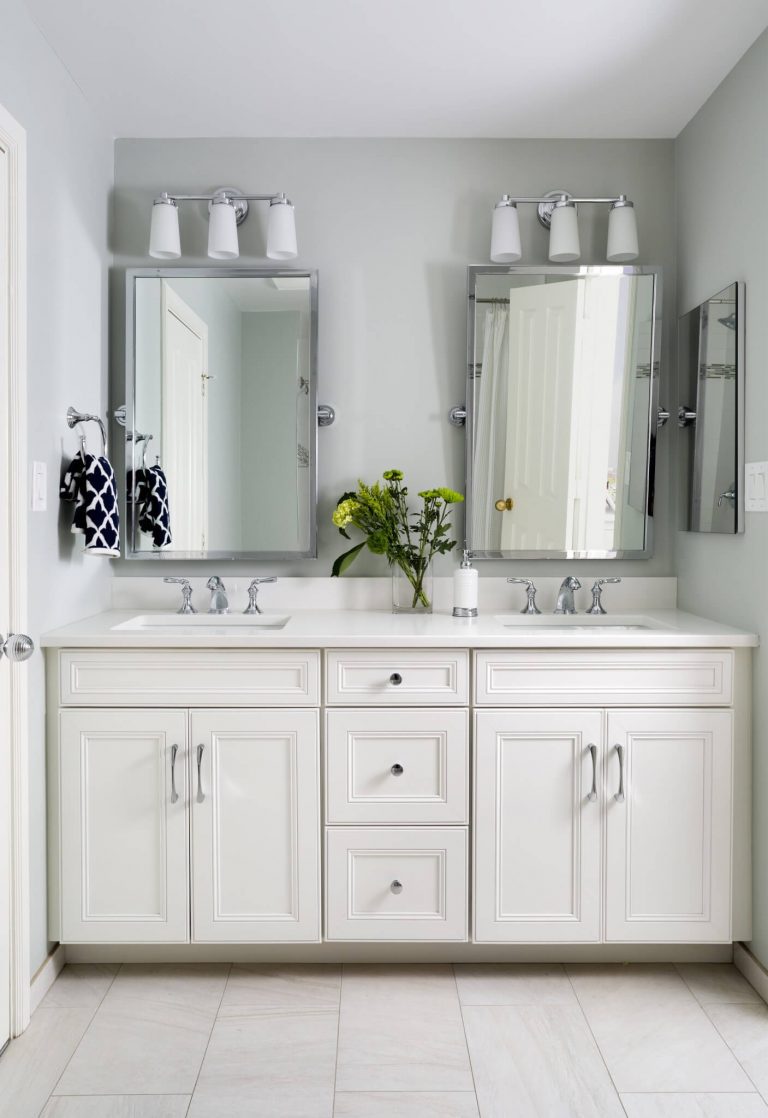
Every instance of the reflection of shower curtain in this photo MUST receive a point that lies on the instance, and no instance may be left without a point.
(490, 432)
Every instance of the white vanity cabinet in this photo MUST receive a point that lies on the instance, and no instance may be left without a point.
(199, 823)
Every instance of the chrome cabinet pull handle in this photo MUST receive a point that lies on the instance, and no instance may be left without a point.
(619, 797)
(395, 679)
(174, 793)
(397, 769)
(200, 792)
(396, 886)
(593, 794)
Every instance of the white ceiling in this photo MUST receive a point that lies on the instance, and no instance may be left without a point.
(484, 68)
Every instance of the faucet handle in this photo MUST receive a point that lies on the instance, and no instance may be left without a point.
(186, 594)
(253, 593)
(530, 590)
(597, 594)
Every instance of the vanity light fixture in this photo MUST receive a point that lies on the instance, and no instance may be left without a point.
(227, 208)
(557, 211)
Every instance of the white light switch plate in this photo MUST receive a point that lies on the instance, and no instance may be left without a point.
(39, 487)
(756, 487)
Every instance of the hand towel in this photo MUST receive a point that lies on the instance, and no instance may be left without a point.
(90, 482)
(151, 496)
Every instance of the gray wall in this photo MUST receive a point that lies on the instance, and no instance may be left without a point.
(392, 225)
(69, 183)
(722, 162)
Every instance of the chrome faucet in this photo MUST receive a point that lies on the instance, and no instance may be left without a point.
(253, 593)
(530, 590)
(565, 603)
(186, 595)
(597, 590)
(219, 599)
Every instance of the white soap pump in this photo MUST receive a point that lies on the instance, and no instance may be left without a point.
(465, 589)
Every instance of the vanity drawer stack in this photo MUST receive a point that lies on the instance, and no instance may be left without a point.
(396, 795)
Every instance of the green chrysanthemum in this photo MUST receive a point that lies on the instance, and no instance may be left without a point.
(344, 513)
(393, 475)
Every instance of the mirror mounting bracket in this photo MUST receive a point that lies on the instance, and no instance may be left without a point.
(458, 415)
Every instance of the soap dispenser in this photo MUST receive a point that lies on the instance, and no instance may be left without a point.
(465, 589)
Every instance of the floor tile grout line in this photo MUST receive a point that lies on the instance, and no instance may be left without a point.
(85, 1034)
(466, 1040)
(727, 1045)
(338, 1036)
(210, 1034)
(723, 1001)
(594, 1038)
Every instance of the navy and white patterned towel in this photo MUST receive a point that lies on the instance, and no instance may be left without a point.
(90, 482)
(151, 496)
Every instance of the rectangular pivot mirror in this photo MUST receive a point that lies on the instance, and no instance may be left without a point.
(221, 399)
(561, 403)
(711, 411)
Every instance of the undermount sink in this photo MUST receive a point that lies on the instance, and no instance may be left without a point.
(243, 622)
(575, 623)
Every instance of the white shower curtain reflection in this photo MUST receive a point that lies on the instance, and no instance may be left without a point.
(490, 401)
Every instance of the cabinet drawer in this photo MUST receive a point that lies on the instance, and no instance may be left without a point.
(187, 677)
(605, 677)
(395, 678)
(396, 883)
(396, 766)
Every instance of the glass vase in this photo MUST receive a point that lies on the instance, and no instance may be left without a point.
(411, 590)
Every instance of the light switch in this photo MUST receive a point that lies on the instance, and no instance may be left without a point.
(39, 487)
(756, 487)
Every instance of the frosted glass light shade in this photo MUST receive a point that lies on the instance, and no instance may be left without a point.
(564, 235)
(505, 234)
(281, 231)
(222, 232)
(622, 234)
(164, 242)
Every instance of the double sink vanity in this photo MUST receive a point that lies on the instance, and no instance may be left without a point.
(355, 776)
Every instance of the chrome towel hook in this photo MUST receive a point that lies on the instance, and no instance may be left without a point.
(74, 417)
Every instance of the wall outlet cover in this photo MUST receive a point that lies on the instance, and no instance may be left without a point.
(756, 487)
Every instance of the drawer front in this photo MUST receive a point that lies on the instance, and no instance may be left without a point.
(397, 766)
(605, 677)
(186, 677)
(396, 883)
(395, 678)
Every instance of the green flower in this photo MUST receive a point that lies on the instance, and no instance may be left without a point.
(377, 542)
(344, 512)
(393, 475)
(450, 496)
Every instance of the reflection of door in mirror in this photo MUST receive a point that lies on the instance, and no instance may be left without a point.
(185, 419)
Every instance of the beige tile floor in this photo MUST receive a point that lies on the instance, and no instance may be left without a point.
(494, 1041)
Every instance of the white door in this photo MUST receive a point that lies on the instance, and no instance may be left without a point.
(185, 421)
(5, 605)
(542, 332)
(537, 825)
(124, 851)
(255, 825)
(668, 870)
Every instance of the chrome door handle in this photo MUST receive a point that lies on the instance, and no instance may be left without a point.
(17, 647)
(592, 796)
(395, 679)
(200, 792)
(174, 793)
(396, 886)
(619, 797)
(397, 770)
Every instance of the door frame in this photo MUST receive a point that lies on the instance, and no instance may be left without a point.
(13, 139)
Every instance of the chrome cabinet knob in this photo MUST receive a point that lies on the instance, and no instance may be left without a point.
(396, 886)
(17, 647)
(395, 679)
(397, 769)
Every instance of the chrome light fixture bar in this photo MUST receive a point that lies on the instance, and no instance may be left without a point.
(227, 208)
(558, 212)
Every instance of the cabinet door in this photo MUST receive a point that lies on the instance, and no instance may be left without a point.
(123, 837)
(668, 870)
(255, 825)
(537, 831)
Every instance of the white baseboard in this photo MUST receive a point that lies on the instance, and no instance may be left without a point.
(752, 969)
(46, 976)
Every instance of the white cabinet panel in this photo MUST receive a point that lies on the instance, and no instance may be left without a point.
(255, 825)
(189, 677)
(669, 840)
(536, 830)
(123, 831)
(397, 766)
(396, 883)
(604, 677)
(426, 677)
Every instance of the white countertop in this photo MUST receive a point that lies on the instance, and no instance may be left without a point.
(667, 628)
